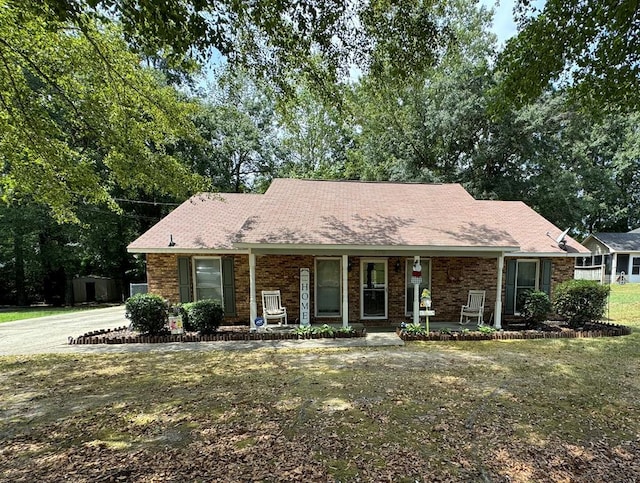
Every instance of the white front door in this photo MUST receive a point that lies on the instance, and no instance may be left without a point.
(373, 294)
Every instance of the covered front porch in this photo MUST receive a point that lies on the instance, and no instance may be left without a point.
(374, 288)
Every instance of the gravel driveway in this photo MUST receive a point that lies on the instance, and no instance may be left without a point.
(46, 335)
(51, 334)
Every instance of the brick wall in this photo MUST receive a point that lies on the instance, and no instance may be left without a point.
(562, 271)
(451, 280)
(162, 275)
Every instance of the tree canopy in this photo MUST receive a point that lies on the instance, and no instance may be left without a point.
(592, 46)
(95, 130)
(274, 39)
(79, 116)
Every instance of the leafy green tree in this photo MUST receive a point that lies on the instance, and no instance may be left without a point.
(79, 115)
(592, 46)
(317, 136)
(607, 164)
(270, 38)
(425, 129)
(239, 145)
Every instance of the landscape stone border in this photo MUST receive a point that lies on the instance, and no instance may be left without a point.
(110, 336)
(596, 330)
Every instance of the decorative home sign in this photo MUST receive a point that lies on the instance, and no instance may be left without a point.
(305, 282)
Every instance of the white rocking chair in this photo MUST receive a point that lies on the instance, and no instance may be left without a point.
(474, 307)
(272, 307)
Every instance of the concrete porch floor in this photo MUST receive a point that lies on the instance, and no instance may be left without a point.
(433, 327)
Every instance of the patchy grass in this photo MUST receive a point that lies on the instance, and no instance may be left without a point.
(9, 315)
(526, 410)
(624, 304)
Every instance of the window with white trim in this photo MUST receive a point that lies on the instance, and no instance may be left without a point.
(328, 287)
(207, 278)
(635, 266)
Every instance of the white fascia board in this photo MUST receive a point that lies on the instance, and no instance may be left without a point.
(203, 251)
(288, 248)
(547, 254)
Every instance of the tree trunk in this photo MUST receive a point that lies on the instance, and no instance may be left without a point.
(18, 253)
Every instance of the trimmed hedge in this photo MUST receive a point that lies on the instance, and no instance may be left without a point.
(204, 316)
(580, 301)
(536, 307)
(148, 313)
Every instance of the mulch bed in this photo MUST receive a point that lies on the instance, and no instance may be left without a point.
(548, 330)
(123, 335)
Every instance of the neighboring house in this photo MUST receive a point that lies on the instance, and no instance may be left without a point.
(358, 241)
(612, 253)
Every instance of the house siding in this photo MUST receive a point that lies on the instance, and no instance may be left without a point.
(451, 280)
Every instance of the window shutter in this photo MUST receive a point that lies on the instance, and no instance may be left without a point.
(228, 287)
(545, 282)
(184, 279)
(510, 287)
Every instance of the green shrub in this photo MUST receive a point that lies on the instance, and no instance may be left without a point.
(183, 310)
(536, 307)
(580, 301)
(415, 329)
(303, 330)
(346, 330)
(324, 330)
(204, 316)
(486, 329)
(147, 312)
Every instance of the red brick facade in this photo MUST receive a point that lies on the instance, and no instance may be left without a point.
(451, 280)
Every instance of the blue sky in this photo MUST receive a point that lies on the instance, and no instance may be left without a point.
(503, 25)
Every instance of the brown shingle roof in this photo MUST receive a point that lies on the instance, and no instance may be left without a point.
(357, 214)
(530, 229)
(204, 221)
(381, 214)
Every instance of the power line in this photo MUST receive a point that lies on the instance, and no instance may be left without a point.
(146, 202)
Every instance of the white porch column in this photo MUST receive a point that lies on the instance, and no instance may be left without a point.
(614, 266)
(345, 290)
(416, 296)
(253, 306)
(497, 318)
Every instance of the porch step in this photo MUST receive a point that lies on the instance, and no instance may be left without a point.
(383, 339)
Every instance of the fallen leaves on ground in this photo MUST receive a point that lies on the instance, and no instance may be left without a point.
(514, 411)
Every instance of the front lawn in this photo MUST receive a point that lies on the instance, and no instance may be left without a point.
(525, 410)
(11, 314)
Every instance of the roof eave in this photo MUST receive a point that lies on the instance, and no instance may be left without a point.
(549, 254)
(186, 250)
(290, 248)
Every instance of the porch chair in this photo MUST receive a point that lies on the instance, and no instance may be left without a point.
(474, 307)
(272, 307)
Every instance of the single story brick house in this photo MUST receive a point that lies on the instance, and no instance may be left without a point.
(343, 251)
